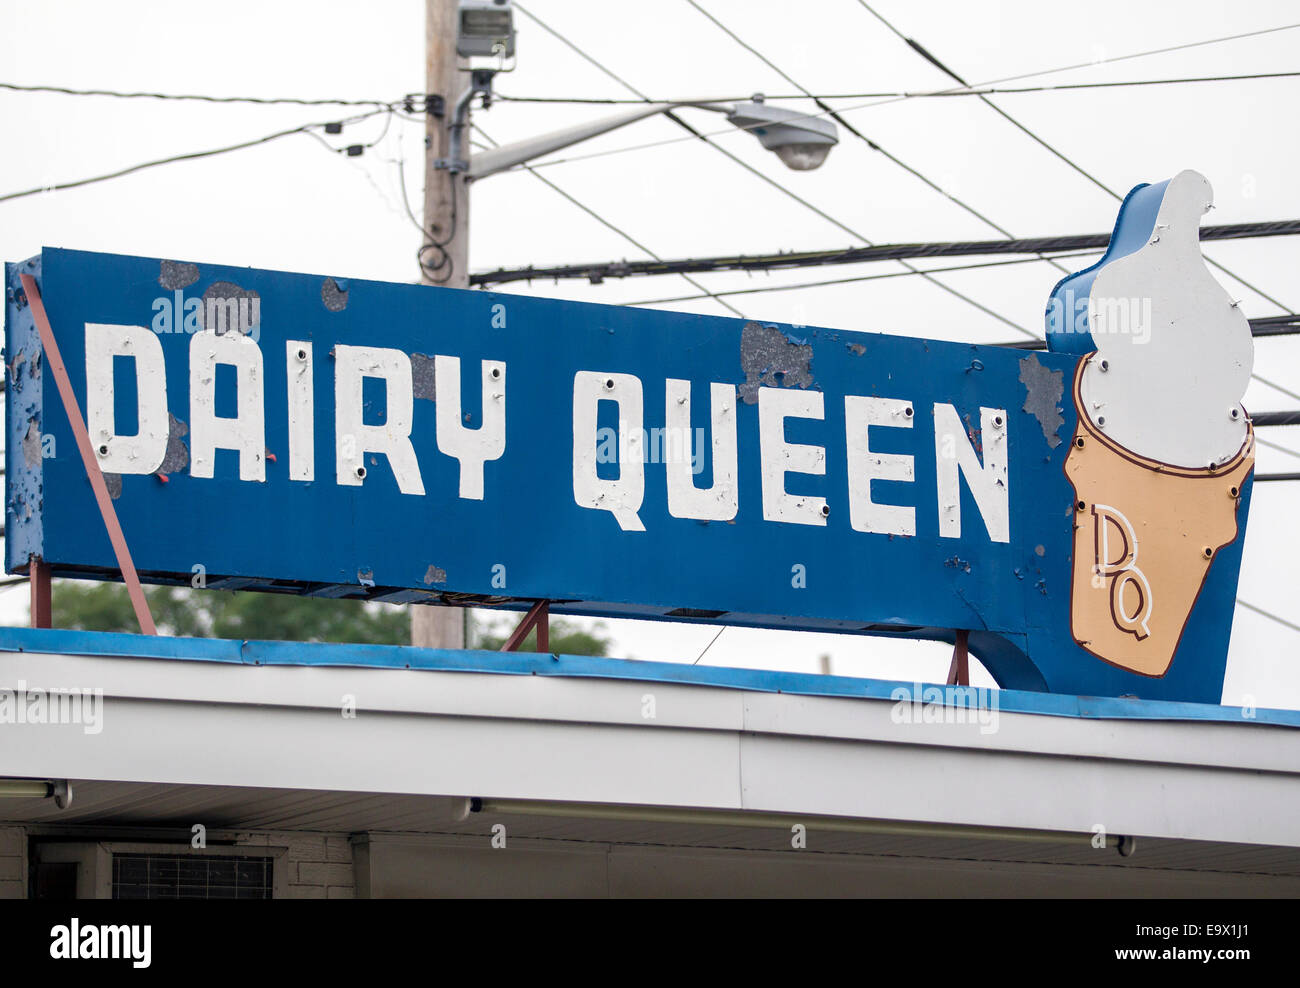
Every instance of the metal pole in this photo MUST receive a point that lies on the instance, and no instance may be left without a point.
(39, 579)
(959, 668)
(444, 253)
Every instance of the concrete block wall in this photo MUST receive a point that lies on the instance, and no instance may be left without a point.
(317, 865)
(13, 863)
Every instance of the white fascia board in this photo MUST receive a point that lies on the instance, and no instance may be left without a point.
(589, 740)
(1247, 745)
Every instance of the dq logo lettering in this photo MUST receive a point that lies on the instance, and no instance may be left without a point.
(1120, 570)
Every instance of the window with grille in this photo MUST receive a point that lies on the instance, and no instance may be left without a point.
(186, 876)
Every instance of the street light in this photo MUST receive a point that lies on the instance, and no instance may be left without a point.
(486, 27)
(800, 140)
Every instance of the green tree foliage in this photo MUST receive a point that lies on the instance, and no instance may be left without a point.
(279, 617)
(223, 614)
(566, 639)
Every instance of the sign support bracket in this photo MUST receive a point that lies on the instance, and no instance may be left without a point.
(959, 669)
(538, 616)
(39, 571)
(38, 578)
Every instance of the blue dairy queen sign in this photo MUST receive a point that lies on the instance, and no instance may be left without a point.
(347, 438)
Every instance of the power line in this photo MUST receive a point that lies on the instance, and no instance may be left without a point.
(875, 146)
(259, 100)
(767, 289)
(1287, 325)
(754, 171)
(1154, 51)
(838, 118)
(1276, 387)
(1276, 418)
(1262, 326)
(710, 644)
(694, 134)
(1258, 327)
(1246, 604)
(933, 60)
(917, 47)
(885, 102)
(1277, 446)
(1273, 325)
(1100, 61)
(309, 129)
(785, 260)
(621, 232)
(1269, 614)
(921, 94)
(825, 107)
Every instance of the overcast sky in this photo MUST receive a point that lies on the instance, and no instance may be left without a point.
(293, 205)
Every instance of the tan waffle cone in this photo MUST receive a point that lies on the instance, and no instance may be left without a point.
(1145, 533)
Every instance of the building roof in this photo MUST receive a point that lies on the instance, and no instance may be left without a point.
(188, 723)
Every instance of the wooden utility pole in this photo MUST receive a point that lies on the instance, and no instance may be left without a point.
(445, 250)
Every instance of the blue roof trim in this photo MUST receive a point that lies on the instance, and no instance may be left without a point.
(110, 644)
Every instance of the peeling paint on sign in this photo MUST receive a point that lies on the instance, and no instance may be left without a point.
(32, 445)
(334, 294)
(770, 359)
(1043, 391)
(423, 378)
(176, 275)
(177, 457)
(230, 307)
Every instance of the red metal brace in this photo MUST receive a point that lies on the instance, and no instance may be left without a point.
(539, 616)
(40, 573)
(959, 670)
(38, 577)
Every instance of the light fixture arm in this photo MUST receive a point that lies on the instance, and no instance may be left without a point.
(508, 156)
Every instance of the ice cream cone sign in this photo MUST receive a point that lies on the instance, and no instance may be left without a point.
(1163, 448)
